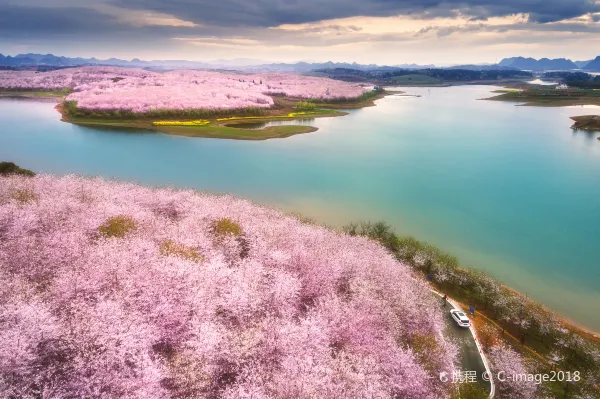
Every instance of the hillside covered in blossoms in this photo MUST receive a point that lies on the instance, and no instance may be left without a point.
(138, 90)
(114, 290)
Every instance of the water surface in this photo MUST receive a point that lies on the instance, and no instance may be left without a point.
(511, 190)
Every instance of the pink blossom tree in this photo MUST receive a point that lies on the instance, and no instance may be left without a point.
(114, 290)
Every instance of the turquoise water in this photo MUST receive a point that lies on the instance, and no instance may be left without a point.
(511, 190)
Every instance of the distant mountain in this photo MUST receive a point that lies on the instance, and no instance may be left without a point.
(30, 59)
(246, 64)
(594, 65)
(531, 64)
(582, 64)
(414, 66)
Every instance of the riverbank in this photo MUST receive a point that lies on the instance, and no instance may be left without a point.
(37, 96)
(224, 126)
(587, 122)
(49, 95)
(552, 341)
(548, 96)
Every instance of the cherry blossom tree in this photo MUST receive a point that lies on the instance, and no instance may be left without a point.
(110, 289)
(137, 90)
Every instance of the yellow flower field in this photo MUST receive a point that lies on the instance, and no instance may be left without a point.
(199, 122)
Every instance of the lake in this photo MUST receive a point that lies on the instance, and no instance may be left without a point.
(511, 190)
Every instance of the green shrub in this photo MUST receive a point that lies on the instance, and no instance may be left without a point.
(226, 227)
(117, 226)
(305, 106)
(9, 168)
(173, 248)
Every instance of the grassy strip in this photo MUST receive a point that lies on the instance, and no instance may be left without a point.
(560, 344)
(587, 122)
(416, 79)
(36, 93)
(552, 97)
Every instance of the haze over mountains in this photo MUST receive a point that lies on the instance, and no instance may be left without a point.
(521, 63)
(24, 60)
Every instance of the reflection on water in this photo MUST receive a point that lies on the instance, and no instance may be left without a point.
(262, 125)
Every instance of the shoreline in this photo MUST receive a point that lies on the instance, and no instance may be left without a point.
(531, 95)
(31, 97)
(588, 123)
(566, 321)
(221, 128)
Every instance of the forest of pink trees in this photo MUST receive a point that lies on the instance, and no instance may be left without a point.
(114, 290)
(137, 90)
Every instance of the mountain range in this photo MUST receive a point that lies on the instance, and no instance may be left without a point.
(546, 64)
(522, 63)
(30, 59)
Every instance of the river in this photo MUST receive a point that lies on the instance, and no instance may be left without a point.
(511, 190)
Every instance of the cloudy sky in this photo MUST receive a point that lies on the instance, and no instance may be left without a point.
(373, 31)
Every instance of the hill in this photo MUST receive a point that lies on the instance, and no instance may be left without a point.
(156, 293)
(428, 76)
(582, 64)
(594, 65)
(9, 168)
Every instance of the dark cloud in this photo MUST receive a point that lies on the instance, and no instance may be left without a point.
(30, 21)
(89, 20)
(267, 13)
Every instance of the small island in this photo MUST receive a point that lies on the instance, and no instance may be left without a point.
(191, 103)
(223, 123)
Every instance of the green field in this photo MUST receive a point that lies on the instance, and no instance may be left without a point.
(416, 79)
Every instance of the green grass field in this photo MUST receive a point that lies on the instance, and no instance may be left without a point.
(416, 79)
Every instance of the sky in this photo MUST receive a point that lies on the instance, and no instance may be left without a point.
(385, 32)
